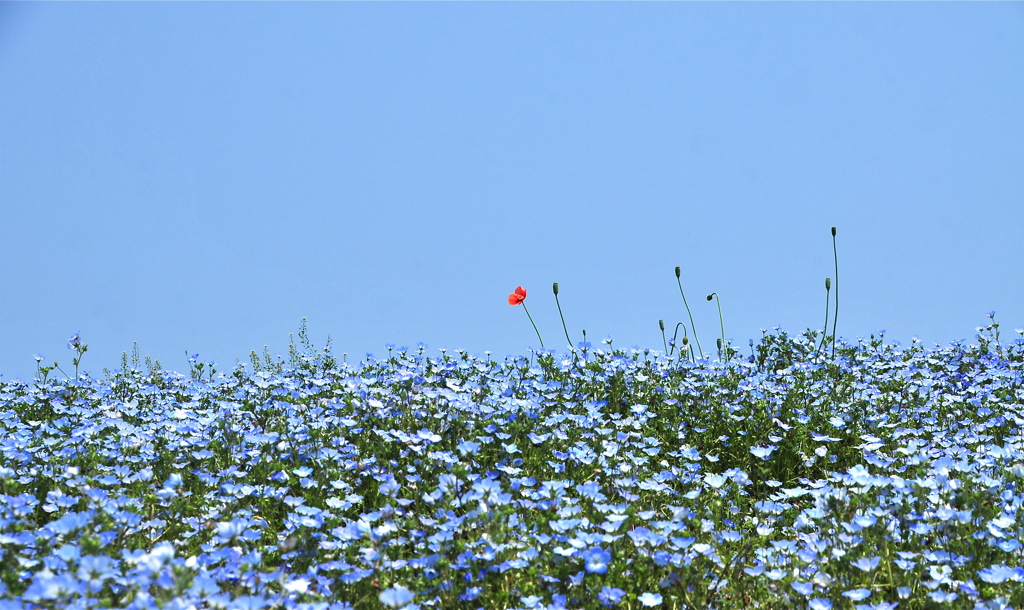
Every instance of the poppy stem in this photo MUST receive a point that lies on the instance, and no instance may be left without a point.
(824, 331)
(534, 325)
(554, 288)
(835, 316)
(694, 327)
(676, 334)
(721, 321)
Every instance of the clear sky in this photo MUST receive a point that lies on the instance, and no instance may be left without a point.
(199, 177)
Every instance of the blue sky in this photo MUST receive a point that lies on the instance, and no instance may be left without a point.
(199, 177)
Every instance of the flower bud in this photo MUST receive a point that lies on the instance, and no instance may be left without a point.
(555, 288)
(833, 231)
(828, 283)
(711, 295)
(661, 324)
(677, 271)
(719, 342)
(686, 340)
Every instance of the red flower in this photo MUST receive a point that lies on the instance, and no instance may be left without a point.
(517, 297)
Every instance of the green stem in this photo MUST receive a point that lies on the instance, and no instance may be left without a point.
(824, 330)
(534, 325)
(689, 313)
(676, 334)
(721, 320)
(564, 328)
(835, 316)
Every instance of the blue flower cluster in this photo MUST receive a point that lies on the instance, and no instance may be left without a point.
(881, 477)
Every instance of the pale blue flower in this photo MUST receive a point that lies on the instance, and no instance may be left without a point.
(803, 588)
(867, 563)
(396, 597)
(596, 560)
(609, 596)
(999, 573)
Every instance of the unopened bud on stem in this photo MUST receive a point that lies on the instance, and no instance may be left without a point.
(554, 287)
(828, 283)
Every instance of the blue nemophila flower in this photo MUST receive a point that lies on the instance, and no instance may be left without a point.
(940, 573)
(468, 447)
(396, 597)
(609, 596)
(819, 603)
(905, 564)
(70, 522)
(591, 490)
(204, 586)
(229, 530)
(650, 599)
(803, 588)
(715, 480)
(249, 602)
(390, 486)
(857, 594)
(75, 341)
(596, 560)
(47, 585)
(866, 563)
(95, 570)
(756, 570)
(1000, 573)
(763, 452)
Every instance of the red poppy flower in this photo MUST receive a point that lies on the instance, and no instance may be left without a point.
(518, 296)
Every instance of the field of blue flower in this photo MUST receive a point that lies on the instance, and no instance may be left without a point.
(878, 477)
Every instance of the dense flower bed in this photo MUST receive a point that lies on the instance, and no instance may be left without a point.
(882, 477)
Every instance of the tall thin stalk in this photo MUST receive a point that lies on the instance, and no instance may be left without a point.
(676, 334)
(721, 320)
(835, 316)
(534, 325)
(824, 330)
(689, 313)
(554, 288)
